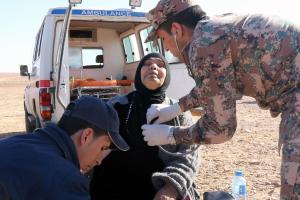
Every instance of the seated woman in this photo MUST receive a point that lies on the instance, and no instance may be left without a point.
(144, 172)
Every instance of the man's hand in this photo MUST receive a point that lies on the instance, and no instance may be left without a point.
(168, 192)
(163, 112)
(158, 134)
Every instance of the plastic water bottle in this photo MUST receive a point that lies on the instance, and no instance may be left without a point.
(238, 187)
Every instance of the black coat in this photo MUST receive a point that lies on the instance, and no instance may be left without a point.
(138, 173)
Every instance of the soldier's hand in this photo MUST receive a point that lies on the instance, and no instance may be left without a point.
(162, 112)
(158, 134)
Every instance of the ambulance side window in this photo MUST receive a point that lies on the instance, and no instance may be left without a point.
(92, 57)
(75, 57)
(151, 47)
(38, 43)
(86, 57)
(131, 49)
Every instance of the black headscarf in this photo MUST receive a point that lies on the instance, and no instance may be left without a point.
(141, 161)
(142, 98)
(151, 96)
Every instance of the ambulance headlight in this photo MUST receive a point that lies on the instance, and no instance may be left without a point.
(75, 1)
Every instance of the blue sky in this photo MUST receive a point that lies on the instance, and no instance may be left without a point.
(20, 20)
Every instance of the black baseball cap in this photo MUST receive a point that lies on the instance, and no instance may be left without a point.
(100, 114)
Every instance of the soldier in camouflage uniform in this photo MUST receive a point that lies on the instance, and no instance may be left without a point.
(229, 55)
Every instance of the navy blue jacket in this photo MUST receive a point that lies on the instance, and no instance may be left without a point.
(41, 165)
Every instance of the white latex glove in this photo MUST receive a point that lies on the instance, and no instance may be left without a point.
(163, 112)
(158, 134)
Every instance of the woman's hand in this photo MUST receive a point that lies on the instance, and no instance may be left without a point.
(168, 192)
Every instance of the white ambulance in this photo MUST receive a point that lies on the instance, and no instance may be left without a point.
(89, 52)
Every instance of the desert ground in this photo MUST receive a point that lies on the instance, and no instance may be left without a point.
(253, 148)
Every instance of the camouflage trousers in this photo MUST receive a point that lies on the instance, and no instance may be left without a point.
(290, 138)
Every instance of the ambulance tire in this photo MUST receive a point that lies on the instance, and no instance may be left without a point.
(28, 125)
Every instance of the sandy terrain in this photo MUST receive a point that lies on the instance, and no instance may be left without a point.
(11, 103)
(252, 149)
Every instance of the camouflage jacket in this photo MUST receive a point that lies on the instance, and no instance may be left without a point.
(229, 55)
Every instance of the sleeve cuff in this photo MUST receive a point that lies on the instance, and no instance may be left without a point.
(160, 179)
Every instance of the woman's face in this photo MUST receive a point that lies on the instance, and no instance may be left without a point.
(153, 73)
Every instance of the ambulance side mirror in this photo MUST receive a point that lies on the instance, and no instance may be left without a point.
(24, 71)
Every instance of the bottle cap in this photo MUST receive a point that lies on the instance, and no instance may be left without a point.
(238, 173)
